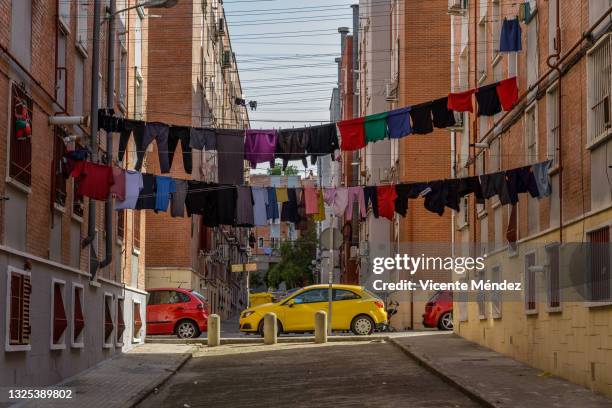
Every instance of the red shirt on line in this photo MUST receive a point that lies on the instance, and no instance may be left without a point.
(93, 180)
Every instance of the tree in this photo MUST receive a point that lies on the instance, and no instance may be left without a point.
(295, 266)
(277, 170)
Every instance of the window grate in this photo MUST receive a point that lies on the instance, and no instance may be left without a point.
(20, 167)
(599, 80)
(599, 264)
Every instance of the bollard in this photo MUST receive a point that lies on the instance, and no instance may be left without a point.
(320, 327)
(214, 330)
(270, 328)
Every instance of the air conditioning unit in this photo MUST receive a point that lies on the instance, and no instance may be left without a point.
(391, 92)
(456, 7)
(227, 59)
(221, 26)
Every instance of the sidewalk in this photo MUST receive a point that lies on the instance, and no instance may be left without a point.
(122, 381)
(492, 378)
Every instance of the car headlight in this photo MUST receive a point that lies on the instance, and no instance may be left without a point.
(247, 314)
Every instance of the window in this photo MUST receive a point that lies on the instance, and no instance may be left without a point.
(496, 23)
(532, 51)
(481, 296)
(552, 121)
(495, 155)
(78, 319)
(167, 297)
(79, 86)
(64, 14)
(137, 318)
(599, 83)
(599, 265)
(21, 31)
(260, 242)
(136, 229)
(341, 294)
(121, 225)
(554, 288)
(18, 329)
(496, 295)
(498, 231)
(312, 296)
(59, 148)
(123, 74)
(531, 135)
(482, 49)
(138, 41)
(20, 165)
(120, 322)
(59, 322)
(61, 72)
(82, 25)
(480, 170)
(530, 283)
(139, 108)
(109, 325)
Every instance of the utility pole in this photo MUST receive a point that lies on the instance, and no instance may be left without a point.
(93, 132)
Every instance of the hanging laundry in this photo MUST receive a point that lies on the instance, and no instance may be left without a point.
(452, 194)
(542, 178)
(511, 232)
(352, 134)
(282, 195)
(495, 184)
(355, 196)
(302, 224)
(443, 117)
(371, 198)
(311, 197)
(272, 205)
(461, 101)
(320, 215)
(164, 188)
(469, 185)
(108, 122)
(398, 123)
(289, 211)
(291, 145)
(293, 181)
(524, 13)
(182, 134)
(422, 122)
(436, 198)
(488, 100)
(244, 207)
(260, 201)
(337, 199)
(385, 196)
(507, 91)
(159, 132)
(375, 127)
(198, 197)
(322, 140)
(510, 39)
(118, 188)
(146, 199)
(93, 180)
(133, 185)
(521, 180)
(203, 139)
(259, 146)
(136, 128)
(177, 202)
(230, 150)
(225, 198)
(404, 192)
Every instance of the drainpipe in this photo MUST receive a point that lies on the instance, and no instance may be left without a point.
(355, 8)
(95, 79)
(555, 65)
(110, 90)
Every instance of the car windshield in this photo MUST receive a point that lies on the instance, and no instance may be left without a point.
(372, 294)
(199, 296)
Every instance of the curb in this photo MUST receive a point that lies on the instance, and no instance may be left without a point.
(142, 395)
(238, 340)
(433, 368)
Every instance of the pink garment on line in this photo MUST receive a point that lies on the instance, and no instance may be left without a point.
(355, 193)
(337, 199)
(311, 198)
(118, 189)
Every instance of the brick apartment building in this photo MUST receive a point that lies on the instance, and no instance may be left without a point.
(194, 82)
(383, 67)
(565, 119)
(57, 320)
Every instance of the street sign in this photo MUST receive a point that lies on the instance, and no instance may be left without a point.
(326, 239)
(249, 267)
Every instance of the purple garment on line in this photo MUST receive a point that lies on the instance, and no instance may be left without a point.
(260, 146)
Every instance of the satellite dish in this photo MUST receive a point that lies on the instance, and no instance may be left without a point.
(326, 239)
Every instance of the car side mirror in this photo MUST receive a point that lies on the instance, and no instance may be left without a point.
(290, 303)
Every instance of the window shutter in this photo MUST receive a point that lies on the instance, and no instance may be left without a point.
(59, 313)
(19, 326)
(79, 321)
(120, 322)
(108, 321)
(137, 320)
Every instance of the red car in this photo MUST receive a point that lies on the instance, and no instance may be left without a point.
(439, 311)
(183, 312)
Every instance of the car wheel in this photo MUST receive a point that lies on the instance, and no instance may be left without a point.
(446, 321)
(186, 329)
(279, 328)
(362, 325)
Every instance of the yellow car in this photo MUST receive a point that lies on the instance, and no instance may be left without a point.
(353, 308)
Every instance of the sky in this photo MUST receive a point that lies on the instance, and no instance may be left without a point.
(285, 50)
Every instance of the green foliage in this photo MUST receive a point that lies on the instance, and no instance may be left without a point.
(277, 170)
(295, 266)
